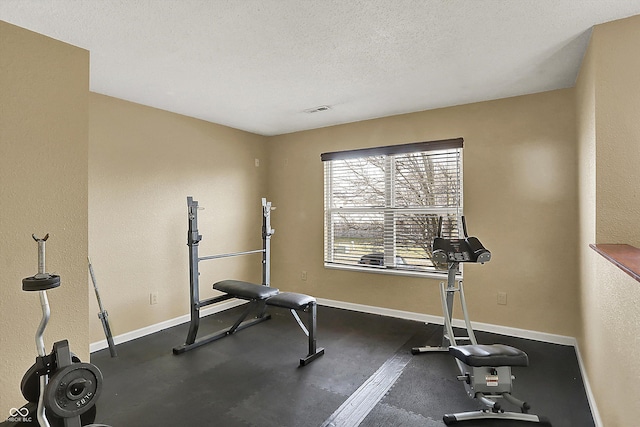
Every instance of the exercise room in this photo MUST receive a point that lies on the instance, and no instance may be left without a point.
(285, 213)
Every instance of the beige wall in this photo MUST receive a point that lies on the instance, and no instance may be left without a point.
(44, 88)
(143, 163)
(608, 95)
(519, 196)
(617, 131)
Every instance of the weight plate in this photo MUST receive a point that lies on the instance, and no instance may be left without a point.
(30, 384)
(73, 390)
(26, 416)
(86, 419)
(89, 416)
(40, 284)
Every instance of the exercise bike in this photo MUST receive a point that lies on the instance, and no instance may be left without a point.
(485, 370)
(61, 391)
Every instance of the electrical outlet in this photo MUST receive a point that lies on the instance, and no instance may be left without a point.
(257, 161)
(502, 298)
(153, 298)
(303, 275)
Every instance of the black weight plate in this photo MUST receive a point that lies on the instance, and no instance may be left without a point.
(86, 419)
(73, 390)
(40, 284)
(30, 384)
(26, 416)
(89, 416)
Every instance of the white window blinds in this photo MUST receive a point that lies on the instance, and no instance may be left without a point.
(382, 205)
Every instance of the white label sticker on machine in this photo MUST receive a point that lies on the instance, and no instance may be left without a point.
(492, 380)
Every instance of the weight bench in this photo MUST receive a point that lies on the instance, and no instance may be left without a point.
(259, 296)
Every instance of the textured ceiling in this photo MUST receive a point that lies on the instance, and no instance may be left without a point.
(257, 64)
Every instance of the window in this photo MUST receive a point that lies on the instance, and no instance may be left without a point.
(382, 205)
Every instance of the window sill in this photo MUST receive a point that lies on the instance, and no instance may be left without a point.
(406, 273)
(625, 257)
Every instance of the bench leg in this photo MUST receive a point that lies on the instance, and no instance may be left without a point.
(241, 323)
(262, 309)
(314, 353)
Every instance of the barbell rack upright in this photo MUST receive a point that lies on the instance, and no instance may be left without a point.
(193, 241)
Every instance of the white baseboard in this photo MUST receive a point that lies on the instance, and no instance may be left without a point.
(419, 317)
(486, 327)
(409, 315)
(587, 387)
(148, 330)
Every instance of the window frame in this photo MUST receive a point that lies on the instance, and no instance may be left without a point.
(389, 210)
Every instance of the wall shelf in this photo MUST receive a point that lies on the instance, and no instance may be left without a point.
(625, 257)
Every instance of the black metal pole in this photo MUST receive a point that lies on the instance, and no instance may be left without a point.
(193, 239)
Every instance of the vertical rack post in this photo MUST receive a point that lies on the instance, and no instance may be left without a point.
(267, 232)
(193, 240)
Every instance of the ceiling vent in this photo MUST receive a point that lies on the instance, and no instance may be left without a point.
(317, 109)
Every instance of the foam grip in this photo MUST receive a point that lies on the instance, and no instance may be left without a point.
(480, 253)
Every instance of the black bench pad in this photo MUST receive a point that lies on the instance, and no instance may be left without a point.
(489, 355)
(291, 300)
(245, 290)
